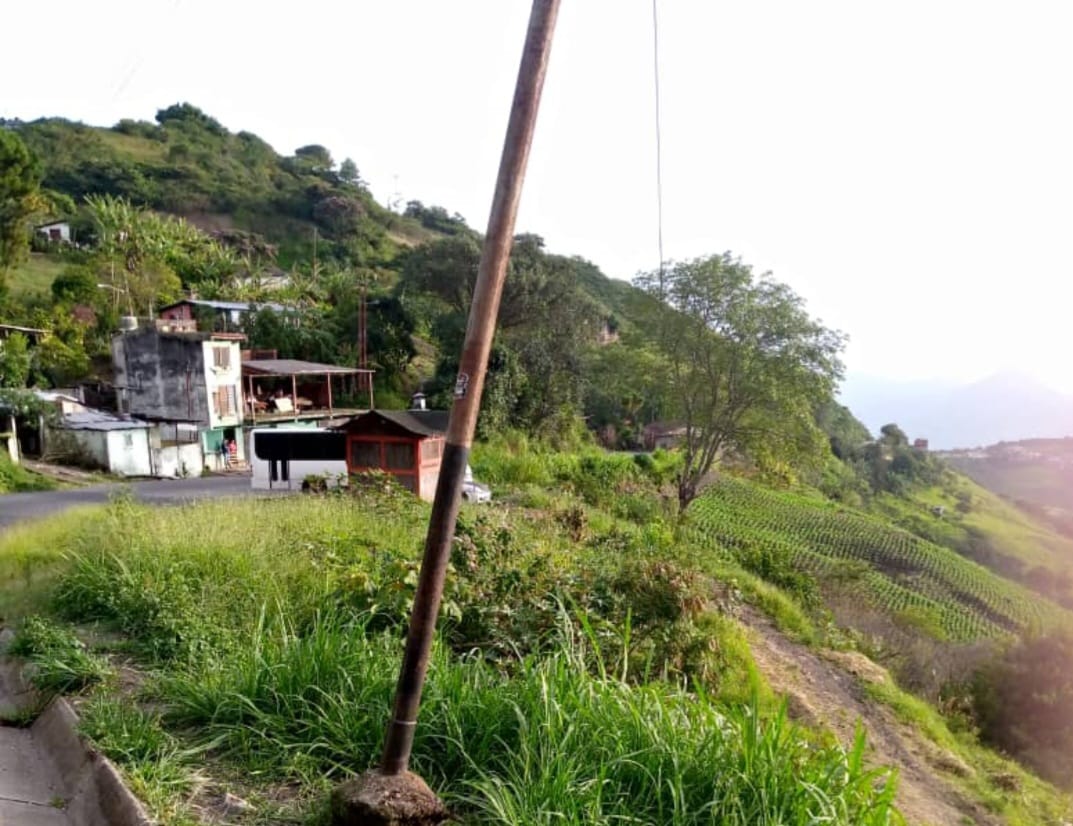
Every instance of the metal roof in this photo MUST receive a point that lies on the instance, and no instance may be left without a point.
(100, 420)
(19, 329)
(242, 306)
(418, 422)
(294, 367)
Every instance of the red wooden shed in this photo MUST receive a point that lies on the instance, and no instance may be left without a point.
(408, 444)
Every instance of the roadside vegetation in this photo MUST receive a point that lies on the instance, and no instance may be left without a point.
(267, 637)
(591, 664)
(15, 478)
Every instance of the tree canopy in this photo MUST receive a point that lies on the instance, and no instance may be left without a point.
(745, 364)
(20, 179)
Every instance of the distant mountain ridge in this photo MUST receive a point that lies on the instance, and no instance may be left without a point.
(1007, 406)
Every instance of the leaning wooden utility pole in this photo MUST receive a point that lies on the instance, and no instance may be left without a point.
(376, 797)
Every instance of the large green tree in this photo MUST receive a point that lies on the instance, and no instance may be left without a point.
(544, 325)
(746, 365)
(20, 179)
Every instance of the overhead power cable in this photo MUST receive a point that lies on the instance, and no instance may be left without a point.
(659, 147)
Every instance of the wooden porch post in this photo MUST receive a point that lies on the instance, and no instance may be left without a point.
(253, 401)
(329, 377)
(294, 395)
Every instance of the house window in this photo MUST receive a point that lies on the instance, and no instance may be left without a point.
(399, 456)
(221, 357)
(364, 455)
(226, 399)
(128, 440)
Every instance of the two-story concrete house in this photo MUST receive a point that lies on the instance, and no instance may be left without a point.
(193, 378)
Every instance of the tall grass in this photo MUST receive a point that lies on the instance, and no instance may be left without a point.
(32, 555)
(15, 478)
(547, 743)
(274, 629)
(58, 659)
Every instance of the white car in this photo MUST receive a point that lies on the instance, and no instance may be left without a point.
(473, 491)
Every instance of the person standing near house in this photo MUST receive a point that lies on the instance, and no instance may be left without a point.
(224, 454)
(232, 453)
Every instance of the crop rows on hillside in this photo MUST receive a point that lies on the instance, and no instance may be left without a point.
(891, 567)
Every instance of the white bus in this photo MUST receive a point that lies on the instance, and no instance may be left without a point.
(284, 458)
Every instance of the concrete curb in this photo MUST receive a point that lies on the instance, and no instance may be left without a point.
(92, 787)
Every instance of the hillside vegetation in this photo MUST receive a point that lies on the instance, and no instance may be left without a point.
(596, 656)
(867, 558)
(577, 616)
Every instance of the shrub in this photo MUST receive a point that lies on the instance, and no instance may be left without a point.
(1024, 705)
(152, 599)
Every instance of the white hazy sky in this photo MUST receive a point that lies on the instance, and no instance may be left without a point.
(907, 167)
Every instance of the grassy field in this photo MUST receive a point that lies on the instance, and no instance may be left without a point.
(274, 661)
(34, 276)
(586, 671)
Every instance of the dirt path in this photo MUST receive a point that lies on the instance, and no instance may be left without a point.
(826, 691)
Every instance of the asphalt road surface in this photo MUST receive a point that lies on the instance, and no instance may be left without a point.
(17, 507)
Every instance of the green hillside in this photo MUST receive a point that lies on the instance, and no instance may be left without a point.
(1015, 543)
(852, 552)
(301, 230)
(188, 164)
(619, 577)
(32, 278)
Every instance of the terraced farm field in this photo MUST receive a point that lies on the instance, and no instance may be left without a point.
(888, 566)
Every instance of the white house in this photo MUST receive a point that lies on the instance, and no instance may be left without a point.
(58, 232)
(93, 438)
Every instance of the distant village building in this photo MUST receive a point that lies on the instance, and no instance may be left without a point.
(57, 232)
(664, 435)
(921, 445)
(408, 444)
(281, 389)
(227, 315)
(96, 439)
(189, 378)
(608, 332)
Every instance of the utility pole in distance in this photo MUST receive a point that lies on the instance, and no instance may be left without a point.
(393, 794)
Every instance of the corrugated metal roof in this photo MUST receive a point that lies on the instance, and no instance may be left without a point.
(294, 367)
(100, 420)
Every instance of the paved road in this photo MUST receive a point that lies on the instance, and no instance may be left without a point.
(16, 507)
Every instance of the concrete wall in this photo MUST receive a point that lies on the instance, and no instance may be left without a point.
(127, 451)
(160, 376)
(179, 460)
(9, 442)
(88, 447)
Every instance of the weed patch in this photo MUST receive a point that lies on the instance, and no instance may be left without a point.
(58, 659)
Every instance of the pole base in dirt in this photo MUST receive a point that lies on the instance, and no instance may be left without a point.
(377, 799)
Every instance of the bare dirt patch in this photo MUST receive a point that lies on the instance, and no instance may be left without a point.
(824, 690)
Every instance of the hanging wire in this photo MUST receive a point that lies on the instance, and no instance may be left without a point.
(659, 148)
